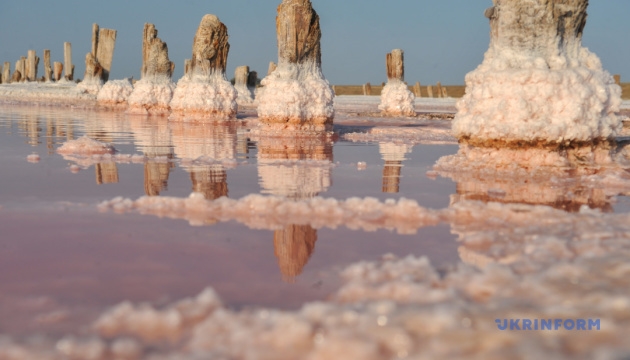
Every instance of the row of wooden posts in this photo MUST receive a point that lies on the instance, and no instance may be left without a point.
(26, 68)
(440, 91)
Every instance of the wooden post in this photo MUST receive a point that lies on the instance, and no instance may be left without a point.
(417, 90)
(1, 77)
(95, 30)
(396, 65)
(430, 91)
(364, 90)
(105, 51)
(155, 61)
(17, 73)
(368, 89)
(187, 66)
(47, 67)
(67, 60)
(444, 92)
(617, 79)
(334, 90)
(58, 71)
(6, 73)
(439, 89)
(240, 76)
(252, 80)
(272, 68)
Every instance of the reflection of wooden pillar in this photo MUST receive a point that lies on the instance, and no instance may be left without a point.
(391, 176)
(211, 182)
(106, 173)
(156, 177)
(293, 247)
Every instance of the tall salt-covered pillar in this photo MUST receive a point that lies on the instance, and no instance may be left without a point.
(153, 93)
(204, 92)
(396, 99)
(537, 86)
(296, 96)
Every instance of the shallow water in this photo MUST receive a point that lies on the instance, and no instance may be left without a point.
(61, 256)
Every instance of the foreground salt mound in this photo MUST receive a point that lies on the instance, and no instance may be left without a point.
(205, 93)
(569, 266)
(396, 99)
(154, 92)
(537, 85)
(115, 93)
(296, 96)
(86, 146)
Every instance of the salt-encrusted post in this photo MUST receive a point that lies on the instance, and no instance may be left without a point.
(33, 63)
(439, 89)
(105, 50)
(187, 65)
(252, 81)
(205, 93)
(241, 74)
(534, 70)
(47, 66)
(396, 99)
(6, 73)
(153, 93)
(58, 70)
(297, 96)
(67, 60)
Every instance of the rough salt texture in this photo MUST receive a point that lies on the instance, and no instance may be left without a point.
(296, 95)
(404, 135)
(204, 92)
(397, 100)
(115, 93)
(537, 84)
(86, 146)
(569, 266)
(48, 93)
(152, 96)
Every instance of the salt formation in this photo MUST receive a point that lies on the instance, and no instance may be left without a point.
(153, 93)
(241, 83)
(296, 96)
(205, 91)
(537, 85)
(98, 62)
(85, 146)
(396, 99)
(115, 93)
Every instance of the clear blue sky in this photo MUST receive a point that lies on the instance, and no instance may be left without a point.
(442, 39)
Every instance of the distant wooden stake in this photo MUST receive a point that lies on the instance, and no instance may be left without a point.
(430, 91)
(58, 70)
(272, 68)
(439, 89)
(444, 92)
(418, 90)
(6, 73)
(47, 66)
(368, 89)
(617, 79)
(364, 90)
(67, 60)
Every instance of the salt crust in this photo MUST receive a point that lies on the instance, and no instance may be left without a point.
(115, 93)
(403, 135)
(152, 96)
(569, 266)
(46, 93)
(204, 98)
(397, 100)
(296, 97)
(85, 146)
(245, 95)
(91, 86)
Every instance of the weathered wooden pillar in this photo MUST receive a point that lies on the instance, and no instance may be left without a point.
(444, 92)
(617, 79)
(95, 30)
(6, 73)
(58, 71)
(395, 65)
(105, 50)
(241, 77)
(187, 66)
(272, 68)
(430, 91)
(439, 89)
(67, 60)
(47, 66)
(155, 61)
(418, 90)
(396, 98)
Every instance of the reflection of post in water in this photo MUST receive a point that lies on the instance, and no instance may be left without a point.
(211, 181)
(281, 175)
(293, 247)
(106, 173)
(393, 154)
(30, 128)
(156, 175)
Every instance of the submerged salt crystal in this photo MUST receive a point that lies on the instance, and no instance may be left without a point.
(33, 158)
(86, 146)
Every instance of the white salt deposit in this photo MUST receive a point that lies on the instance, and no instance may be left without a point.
(115, 93)
(199, 98)
(245, 95)
(397, 100)
(152, 96)
(45, 93)
(296, 97)
(85, 146)
(404, 135)
(33, 158)
(91, 86)
(361, 165)
(537, 86)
